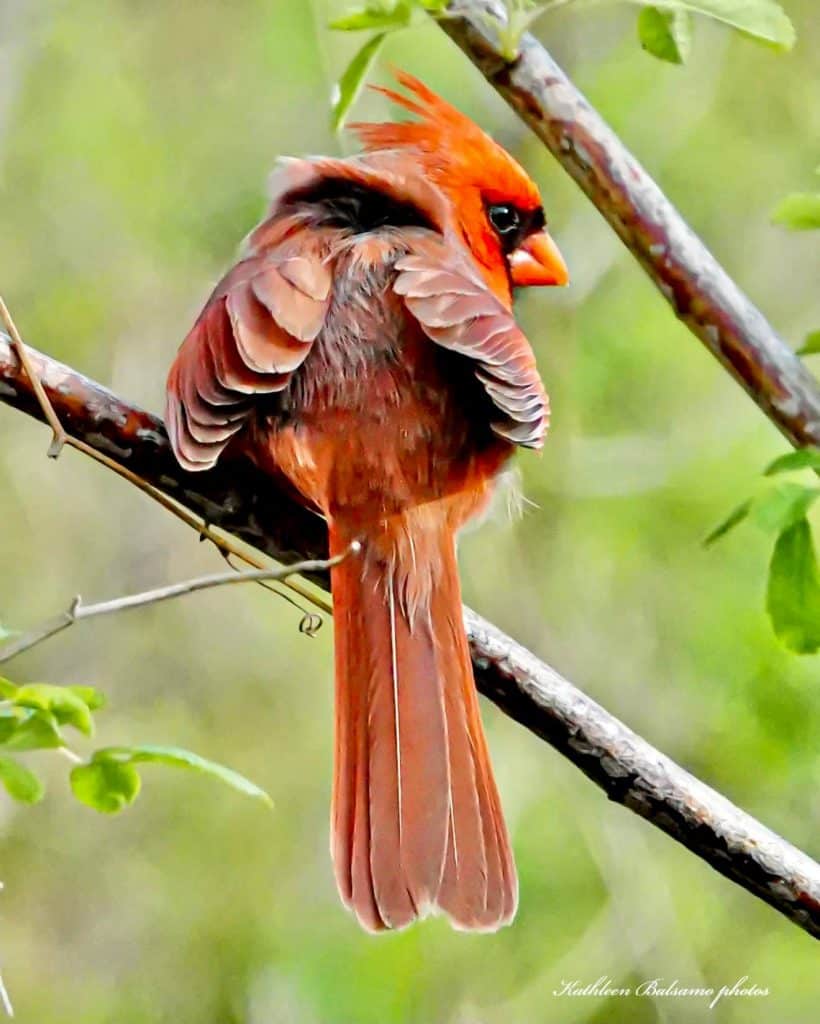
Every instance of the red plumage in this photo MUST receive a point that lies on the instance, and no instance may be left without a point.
(364, 347)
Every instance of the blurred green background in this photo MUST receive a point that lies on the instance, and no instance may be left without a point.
(135, 140)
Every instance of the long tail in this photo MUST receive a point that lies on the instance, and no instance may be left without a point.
(416, 818)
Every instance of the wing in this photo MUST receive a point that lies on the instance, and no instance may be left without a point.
(456, 310)
(255, 331)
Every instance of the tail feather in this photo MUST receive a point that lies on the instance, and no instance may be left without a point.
(416, 820)
(350, 827)
(344, 780)
(463, 892)
(408, 779)
(362, 889)
(504, 902)
(460, 887)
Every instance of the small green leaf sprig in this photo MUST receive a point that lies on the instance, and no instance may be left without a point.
(665, 29)
(793, 588)
(384, 16)
(35, 716)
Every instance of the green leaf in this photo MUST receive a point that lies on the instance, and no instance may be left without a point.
(799, 211)
(107, 786)
(737, 515)
(385, 15)
(177, 758)
(66, 706)
(782, 506)
(9, 720)
(666, 34)
(89, 695)
(7, 688)
(804, 458)
(811, 346)
(764, 20)
(22, 784)
(350, 84)
(35, 730)
(793, 594)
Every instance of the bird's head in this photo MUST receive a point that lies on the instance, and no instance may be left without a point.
(495, 205)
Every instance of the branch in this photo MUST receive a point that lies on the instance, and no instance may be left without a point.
(629, 770)
(77, 610)
(699, 290)
(60, 438)
(266, 517)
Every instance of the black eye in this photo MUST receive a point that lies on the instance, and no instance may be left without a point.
(504, 218)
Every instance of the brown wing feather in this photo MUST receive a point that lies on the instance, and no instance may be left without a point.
(254, 333)
(456, 310)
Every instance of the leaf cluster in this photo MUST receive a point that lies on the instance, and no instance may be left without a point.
(793, 588)
(35, 716)
(664, 27)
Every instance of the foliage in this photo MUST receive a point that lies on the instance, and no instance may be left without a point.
(793, 591)
(793, 594)
(346, 91)
(664, 30)
(666, 34)
(800, 211)
(33, 716)
(764, 20)
(811, 346)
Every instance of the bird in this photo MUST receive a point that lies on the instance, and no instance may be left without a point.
(364, 350)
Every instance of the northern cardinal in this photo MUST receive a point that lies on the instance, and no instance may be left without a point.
(364, 346)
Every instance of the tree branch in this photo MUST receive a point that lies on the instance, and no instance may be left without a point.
(60, 438)
(77, 610)
(699, 290)
(629, 770)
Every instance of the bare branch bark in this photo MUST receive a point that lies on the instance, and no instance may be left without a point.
(236, 498)
(628, 769)
(699, 290)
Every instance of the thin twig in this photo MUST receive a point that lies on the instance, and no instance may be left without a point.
(310, 623)
(225, 545)
(58, 434)
(77, 610)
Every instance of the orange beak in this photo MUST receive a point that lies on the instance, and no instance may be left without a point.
(537, 261)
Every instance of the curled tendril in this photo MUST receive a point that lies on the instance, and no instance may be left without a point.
(311, 623)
